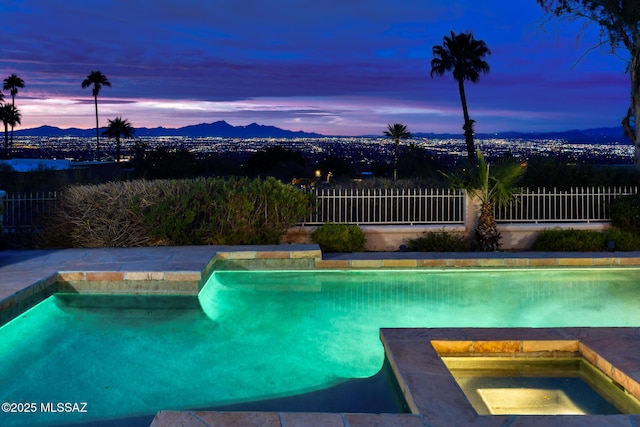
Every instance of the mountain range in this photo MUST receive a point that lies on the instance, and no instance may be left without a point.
(215, 129)
(225, 130)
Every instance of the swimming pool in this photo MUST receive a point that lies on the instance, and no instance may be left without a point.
(254, 339)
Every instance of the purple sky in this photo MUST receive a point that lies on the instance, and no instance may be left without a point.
(336, 67)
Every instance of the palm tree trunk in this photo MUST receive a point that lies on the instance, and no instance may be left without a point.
(395, 160)
(13, 102)
(6, 140)
(487, 236)
(117, 147)
(97, 129)
(468, 124)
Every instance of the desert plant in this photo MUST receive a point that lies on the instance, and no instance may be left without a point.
(493, 187)
(118, 128)
(438, 241)
(339, 237)
(397, 131)
(97, 80)
(463, 56)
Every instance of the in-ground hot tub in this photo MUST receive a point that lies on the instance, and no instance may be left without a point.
(482, 376)
(566, 384)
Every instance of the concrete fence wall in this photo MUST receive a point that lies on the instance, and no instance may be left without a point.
(391, 237)
(517, 236)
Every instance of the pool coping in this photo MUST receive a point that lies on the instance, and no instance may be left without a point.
(28, 277)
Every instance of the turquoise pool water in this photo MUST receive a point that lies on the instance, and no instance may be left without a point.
(255, 340)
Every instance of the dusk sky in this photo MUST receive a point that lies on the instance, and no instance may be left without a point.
(337, 67)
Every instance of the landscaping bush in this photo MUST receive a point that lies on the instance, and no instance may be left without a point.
(625, 213)
(587, 241)
(339, 238)
(622, 240)
(175, 212)
(103, 215)
(570, 240)
(438, 241)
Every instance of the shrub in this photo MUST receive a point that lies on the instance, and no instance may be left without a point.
(625, 213)
(438, 241)
(175, 212)
(104, 215)
(226, 211)
(623, 240)
(339, 238)
(558, 240)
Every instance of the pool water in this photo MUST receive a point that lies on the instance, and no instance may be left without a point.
(254, 340)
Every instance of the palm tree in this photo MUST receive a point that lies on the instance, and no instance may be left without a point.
(9, 115)
(97, 80)
(12, 84)
(494, 187)
(396, 131)
(117, 128)
(463, 56)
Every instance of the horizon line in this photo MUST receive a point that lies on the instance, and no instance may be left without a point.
(328, 135)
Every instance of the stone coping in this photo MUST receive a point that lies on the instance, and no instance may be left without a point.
(27, 277)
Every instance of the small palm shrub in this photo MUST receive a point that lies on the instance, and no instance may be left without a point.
(339, 238)
(438, 241)
(174, 212)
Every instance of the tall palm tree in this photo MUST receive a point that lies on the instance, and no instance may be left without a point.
(10, 116)
(464, 57)
(97, 80)
(396, 131)
(118, 128)
(494, 187)
(12, 84)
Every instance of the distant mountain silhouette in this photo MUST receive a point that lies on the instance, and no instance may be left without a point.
(254, 130)
(596, 135)
(216, 129)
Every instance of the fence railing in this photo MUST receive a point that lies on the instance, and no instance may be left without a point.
(575, 205)
(22, 211)
(392, 206)
(388, 206)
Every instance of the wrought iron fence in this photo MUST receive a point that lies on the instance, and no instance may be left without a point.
(575, 205)
(387, 206)
(22, 211)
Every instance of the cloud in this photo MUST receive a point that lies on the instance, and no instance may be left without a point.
(352, 63)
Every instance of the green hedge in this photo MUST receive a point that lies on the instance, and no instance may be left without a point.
(218, 211)
(438, 241)
(333, 237)
(625, 213)
(571, 240)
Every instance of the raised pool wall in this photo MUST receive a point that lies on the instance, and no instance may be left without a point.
(381, 238)
(161, 270)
